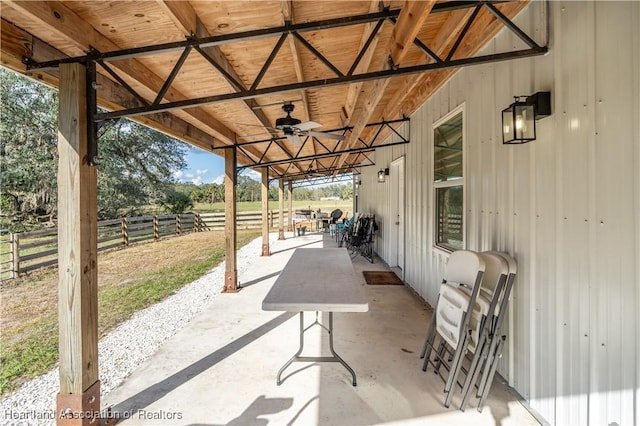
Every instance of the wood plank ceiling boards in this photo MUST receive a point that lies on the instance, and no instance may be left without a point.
(216, 73)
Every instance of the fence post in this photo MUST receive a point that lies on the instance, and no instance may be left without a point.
(156, 231)
(270, 218)
(196, 222)
(178, 225)
(15, 255)
(124, 229)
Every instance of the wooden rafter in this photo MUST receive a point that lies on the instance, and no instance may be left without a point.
(354, 89)
(133, 81)
(288, 15)
(405, 31)
(16, 43)
(186, 19)
(63, 22)
(427, 84)
(447, 34)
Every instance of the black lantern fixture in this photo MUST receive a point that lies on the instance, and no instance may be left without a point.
(381, 175)
(518, 120)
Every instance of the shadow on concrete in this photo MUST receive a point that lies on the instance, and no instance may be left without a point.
(304, 407)
(157, 391)
(258, 280)
(295, 247)
(261, 406)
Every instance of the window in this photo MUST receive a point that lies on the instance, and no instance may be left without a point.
(448, 181)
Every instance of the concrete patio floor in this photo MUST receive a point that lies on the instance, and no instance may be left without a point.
(221, 369)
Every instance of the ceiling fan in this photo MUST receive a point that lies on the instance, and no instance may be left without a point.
(294, 128)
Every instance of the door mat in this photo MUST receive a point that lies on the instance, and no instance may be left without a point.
(381, 278)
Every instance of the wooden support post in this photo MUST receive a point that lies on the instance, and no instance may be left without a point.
(77, 255)
(15, 253)
(281, 209)
(196, 222)
(231, 270)
(265, 211)
(156, 228)
(124, 227)
(290, 201)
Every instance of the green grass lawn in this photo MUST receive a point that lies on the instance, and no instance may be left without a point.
(129, 280)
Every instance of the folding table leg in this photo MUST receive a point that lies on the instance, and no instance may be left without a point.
(297, 354)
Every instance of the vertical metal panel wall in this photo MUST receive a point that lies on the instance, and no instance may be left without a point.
(567, 206)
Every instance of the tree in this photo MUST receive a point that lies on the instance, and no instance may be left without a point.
(136, 166)
(28, 148)
(248, 189)
(176, 202)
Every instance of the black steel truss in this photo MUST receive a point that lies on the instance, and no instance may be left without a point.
(323, 180)
(250, 35)
(295, 30)
(323, 151)
(253, 90)
(321, 171)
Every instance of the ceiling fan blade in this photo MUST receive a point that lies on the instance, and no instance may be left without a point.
(325, 135)
(294, 139)
(307, 125)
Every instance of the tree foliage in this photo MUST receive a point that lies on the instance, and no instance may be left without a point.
(28, 147)
(136, 167)
(176, 202)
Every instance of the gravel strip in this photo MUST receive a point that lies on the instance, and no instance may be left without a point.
(127, 346)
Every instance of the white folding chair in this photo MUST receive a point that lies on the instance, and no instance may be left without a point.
(483, 316)
(452, 315)
(491, 341)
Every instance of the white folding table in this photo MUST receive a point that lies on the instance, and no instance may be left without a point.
(320, 280)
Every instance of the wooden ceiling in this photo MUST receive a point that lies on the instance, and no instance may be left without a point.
(229, 92)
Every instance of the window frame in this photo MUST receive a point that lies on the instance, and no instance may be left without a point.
(438, 246)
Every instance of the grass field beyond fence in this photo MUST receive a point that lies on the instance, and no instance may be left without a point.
(247, 206)
(28, 251)
(129, 280)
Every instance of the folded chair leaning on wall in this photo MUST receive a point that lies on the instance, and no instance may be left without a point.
(485, 312)
(451, 314)
(490, 348)
(493, 279)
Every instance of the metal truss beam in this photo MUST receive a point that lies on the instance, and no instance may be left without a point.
(251, 35)
(347, 168)
(295, 31)
(327, 152)
(335, 81)
(324, 180)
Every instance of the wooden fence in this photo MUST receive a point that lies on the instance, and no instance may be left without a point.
(26, 251)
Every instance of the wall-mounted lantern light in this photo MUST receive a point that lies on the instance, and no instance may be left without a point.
(518, 120)
(381, 175)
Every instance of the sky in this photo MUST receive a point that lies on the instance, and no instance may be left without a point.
(205, 167)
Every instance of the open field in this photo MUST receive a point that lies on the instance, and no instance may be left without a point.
(328, 206)
(129, 280)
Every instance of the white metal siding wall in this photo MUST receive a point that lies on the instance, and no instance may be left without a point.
(567, 206)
